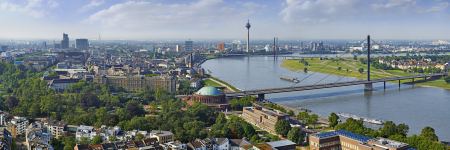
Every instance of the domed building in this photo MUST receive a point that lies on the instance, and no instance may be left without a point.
(208, 95)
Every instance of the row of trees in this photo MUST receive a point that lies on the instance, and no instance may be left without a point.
(295, 134)
(426, 140)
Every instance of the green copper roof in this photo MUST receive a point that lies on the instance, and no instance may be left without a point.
(209, 91)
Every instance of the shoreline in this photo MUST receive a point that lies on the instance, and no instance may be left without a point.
(328, 69)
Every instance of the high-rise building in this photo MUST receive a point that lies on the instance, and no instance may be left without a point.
(221, 46)
(65, 41)
(82, 44)
(177, 48)
(4, 48)
(188, 45)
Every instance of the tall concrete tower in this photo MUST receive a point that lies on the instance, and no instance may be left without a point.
(248, 35)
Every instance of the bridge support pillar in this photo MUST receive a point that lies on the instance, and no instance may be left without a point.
(368, 87)
(261, 97)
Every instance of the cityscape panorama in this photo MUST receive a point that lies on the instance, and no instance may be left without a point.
(224, 75)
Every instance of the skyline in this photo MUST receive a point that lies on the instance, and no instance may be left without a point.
(225, 19)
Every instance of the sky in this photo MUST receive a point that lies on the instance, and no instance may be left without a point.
(225, 19)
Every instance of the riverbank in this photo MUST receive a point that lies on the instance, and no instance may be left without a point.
(351, 68)
(212, 81)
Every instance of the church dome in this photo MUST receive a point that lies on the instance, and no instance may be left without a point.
(209, 91)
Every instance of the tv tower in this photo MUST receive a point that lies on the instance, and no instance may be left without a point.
(248, 34)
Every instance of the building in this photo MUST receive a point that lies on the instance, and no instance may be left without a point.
(17, 126)
(177, 145)
(240, 144)
(146, 144)
(345, 140)
(85, 131)
(3, 117)
(56, 128)
(37, 138)
(282, 145)
(60, 85)
(211, 96)
(263, 118)
(188, 45)
(82, 44)
(5, 139)
(221, 46)
(138, 83)
(177, 48)
(65, 41)
(162, 136)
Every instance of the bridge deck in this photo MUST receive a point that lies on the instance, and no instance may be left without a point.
(326, 85)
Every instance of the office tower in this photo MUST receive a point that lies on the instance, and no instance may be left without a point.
(221, 46)
(82, 44)
(188, 45)
(177, 48)
(65, 41)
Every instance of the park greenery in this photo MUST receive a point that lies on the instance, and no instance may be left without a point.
(425, 141)
(85, 103)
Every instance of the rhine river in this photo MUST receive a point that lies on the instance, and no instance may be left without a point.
(416, 106)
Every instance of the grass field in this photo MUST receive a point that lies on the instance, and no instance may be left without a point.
(212, 81)
(350, 67)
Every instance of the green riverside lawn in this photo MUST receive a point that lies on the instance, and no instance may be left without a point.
(329, 66)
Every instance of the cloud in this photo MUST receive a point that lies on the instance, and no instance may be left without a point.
(320, 11)
(151, 15)
(390, 4)
(316, 11)
(91, 5)
(33, 8)
(436, 8)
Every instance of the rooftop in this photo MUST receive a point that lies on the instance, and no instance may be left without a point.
(345, 133)
(280, 143)
(209, 91)
(383, 142)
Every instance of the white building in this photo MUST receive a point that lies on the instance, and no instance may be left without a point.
(85, 131)
(20, 124)
(174, 146)
(162, 136)
(56, 129)
(37, 138)
(2, 118)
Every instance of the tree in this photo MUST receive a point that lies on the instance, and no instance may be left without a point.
(389, 128)
(312, 119)
(302, 115)
(112, 138)
(333, 119)
(305, 70)
(69, 142)
(447, 79)
(291, 113)
(96, 139)
(282, 127)
(361, 70)
(428, 133)
(134, 109)
(139, 136)
(11, 102)
(296, 135)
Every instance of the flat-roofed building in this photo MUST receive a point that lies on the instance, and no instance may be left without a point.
(263, 118)
(346, 140)
(138, 83)
(162, 136)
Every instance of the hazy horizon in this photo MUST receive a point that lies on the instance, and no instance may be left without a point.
(225, 19)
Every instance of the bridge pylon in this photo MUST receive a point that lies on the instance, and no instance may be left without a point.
(368, 86)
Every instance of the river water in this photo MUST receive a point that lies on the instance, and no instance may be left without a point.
(416, 106)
